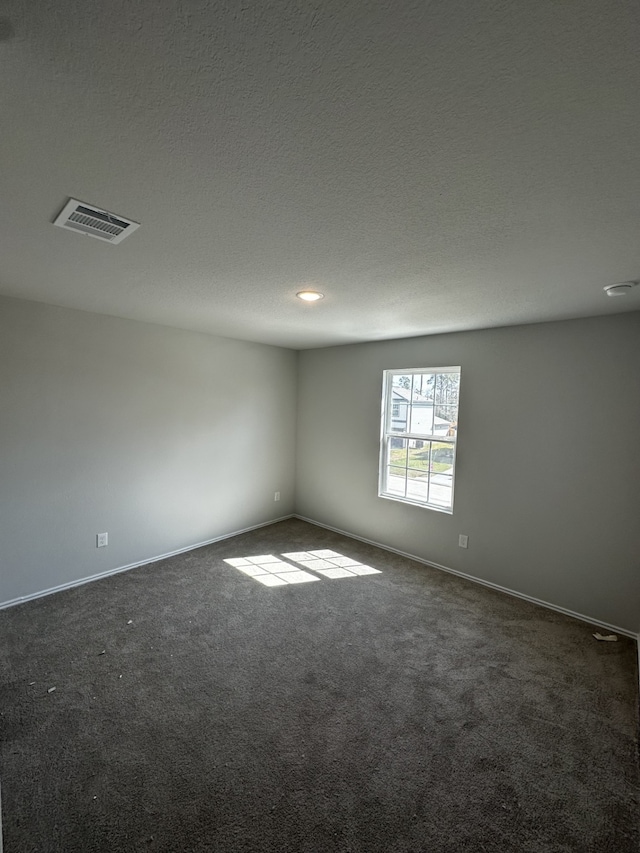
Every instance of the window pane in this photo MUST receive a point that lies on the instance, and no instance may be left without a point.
(418, 456)
(421, 417)
(400, 403)
(402, 382)
(396, 481)
(423, 386)
(447, 388)
(398, 421)
(446, 420)
(418, 488)
(419, 471)
(441, 490)
(397, 451)
(442, 458)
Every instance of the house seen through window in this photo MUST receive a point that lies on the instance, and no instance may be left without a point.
(419, 436)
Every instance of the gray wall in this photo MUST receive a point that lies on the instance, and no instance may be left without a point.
(548, 476)
(162, 438)
(166, 438)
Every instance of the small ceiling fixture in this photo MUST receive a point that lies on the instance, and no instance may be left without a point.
(310, 295)
(619, 289)
(95, 222)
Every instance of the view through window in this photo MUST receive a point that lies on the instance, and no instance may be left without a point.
(419, 435)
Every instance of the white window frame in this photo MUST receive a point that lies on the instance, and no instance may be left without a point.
(387, 433)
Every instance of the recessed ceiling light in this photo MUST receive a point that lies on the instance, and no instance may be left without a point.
(310, 295)
(620, 289)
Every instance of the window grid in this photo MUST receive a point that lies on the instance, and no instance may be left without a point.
(417, 460)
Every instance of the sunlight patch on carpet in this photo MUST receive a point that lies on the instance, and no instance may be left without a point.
(270, 570)
(330, 564)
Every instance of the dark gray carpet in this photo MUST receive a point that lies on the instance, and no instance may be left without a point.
(402, 711)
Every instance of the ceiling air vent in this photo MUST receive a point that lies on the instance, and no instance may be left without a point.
(94, 222)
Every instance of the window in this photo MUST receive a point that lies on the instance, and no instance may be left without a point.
(418, 449)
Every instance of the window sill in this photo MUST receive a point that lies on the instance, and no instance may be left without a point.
(434, 507)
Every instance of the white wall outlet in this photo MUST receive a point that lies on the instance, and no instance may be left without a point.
(276, 496)
(102, 540)
(463, 541)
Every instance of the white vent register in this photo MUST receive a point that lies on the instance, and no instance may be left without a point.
(94, 222)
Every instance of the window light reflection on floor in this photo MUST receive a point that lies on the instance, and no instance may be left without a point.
(270, 570)
(330, 564)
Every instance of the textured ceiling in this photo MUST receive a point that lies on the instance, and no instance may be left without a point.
(429, 166)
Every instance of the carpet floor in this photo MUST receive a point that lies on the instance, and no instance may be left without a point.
(201, 705)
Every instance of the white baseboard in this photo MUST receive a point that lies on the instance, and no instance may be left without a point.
(589, 619)
(126, 568)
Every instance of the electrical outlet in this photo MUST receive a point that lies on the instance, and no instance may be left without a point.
(276, 496)
(102, 540)
(463, 541)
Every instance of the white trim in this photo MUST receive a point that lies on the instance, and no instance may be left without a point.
(434, 507)
(126, 568)
(589, 619)
(423, 436)
(400, 371)
(387, 433)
